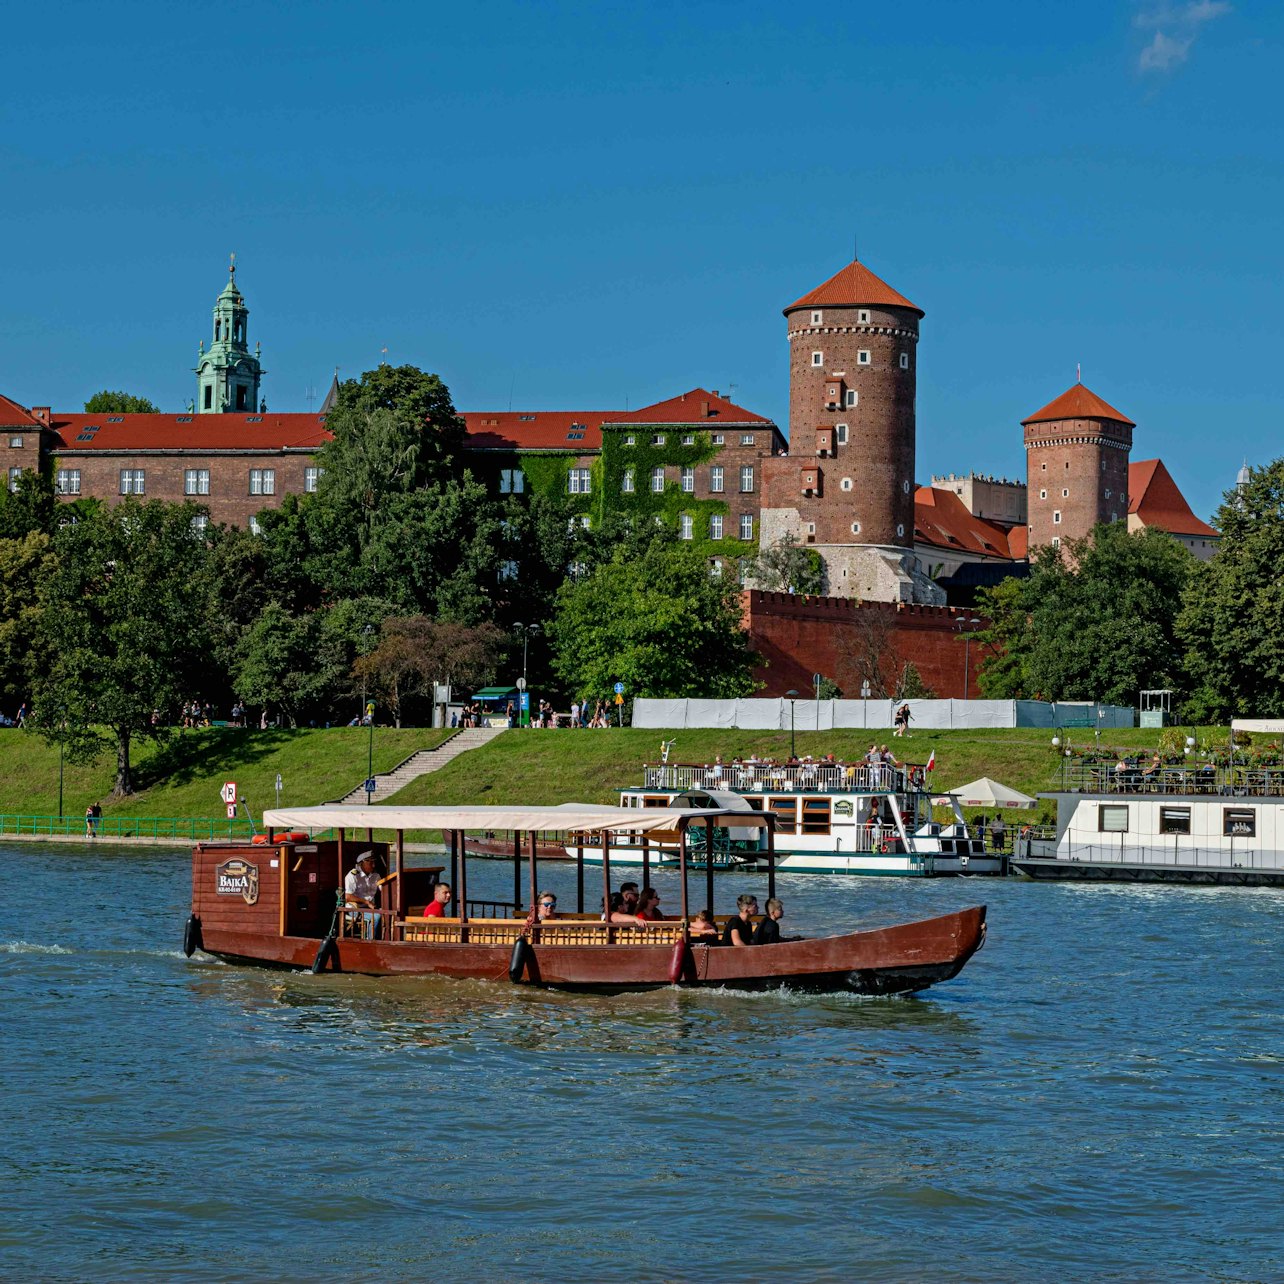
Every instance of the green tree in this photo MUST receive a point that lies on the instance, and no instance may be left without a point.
(119, 403)
(659, 623)
(274, 665)
(787, 567)
(29, 506)
(1102, 622)
(1232, 618)
(1003, 646)
(24, 566)
(119, 634)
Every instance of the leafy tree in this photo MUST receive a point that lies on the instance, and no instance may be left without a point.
(787, 567)
(29, 507)
(1003, 646)
(274, 662)
(119, 403)
(1102, 622)
(120, 629)
(24, 565)
(1232, 618)
(660, 623)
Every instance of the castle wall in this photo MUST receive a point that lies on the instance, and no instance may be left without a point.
(1077, 468)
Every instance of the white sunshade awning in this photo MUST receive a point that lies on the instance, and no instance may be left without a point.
(567, 816)
(990, 793)
(1267, 726)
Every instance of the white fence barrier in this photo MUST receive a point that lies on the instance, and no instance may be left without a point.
(840, 715)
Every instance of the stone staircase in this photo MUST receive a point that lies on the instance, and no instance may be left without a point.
(421, 763)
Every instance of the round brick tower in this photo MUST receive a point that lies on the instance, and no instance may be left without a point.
(852, 373)
(1076, 451)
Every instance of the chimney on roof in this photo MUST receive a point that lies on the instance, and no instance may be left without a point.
(43, 413)
(705, 410)
(716, 393)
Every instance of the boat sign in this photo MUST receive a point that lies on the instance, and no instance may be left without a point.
(229, 793)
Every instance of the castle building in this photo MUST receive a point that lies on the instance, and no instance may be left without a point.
(1076, 450)
(846, 488)
(227, 376)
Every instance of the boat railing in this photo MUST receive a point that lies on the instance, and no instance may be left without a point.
(558, 931)
(1203, 857)
(770, 778)
(1109, 778)
(493, 909)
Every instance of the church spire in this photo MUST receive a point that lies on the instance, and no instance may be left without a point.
(227, 374)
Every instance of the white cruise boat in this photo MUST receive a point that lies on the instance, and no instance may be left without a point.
(831, 818)
(1171, 825)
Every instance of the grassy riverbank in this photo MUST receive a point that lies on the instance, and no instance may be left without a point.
(184, 779)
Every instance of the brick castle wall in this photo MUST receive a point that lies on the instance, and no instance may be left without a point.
(1079, 469)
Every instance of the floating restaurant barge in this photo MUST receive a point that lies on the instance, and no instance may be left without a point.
(274, 902)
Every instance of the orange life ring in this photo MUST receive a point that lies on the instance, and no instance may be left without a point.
(259, 840)
(294, 836)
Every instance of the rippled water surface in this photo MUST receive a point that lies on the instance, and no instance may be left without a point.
(1100, 1094)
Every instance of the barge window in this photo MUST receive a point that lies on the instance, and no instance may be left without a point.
(656, 800)
(786, 813)
(815, 817)
(755, 803)
(1174, 820)
(1112, 819)
(1239, 822)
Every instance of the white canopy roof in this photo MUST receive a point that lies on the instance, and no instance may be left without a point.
(1268, 726)
(989, 793)
(567, 816)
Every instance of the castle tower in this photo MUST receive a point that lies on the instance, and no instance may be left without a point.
(1076, 458)
(227, 376)
(848, 482)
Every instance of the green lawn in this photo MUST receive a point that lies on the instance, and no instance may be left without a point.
(184, 778)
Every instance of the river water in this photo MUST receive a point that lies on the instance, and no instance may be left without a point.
(1099, 1095)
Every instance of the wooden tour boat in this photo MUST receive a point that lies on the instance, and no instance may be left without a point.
(273, 902)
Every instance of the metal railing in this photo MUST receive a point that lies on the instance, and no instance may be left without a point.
(1108, 778)
(1202, 857)
(768, 778)
(187, 828)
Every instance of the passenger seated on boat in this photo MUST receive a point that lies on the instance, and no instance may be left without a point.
(648, 907)
(546, 906)
(703, 925)
(768, 931)
(629, 897)
(739, 929)
(615, 912)
(436, 908)
(361, 887)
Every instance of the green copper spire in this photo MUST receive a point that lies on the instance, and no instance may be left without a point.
(227, 375)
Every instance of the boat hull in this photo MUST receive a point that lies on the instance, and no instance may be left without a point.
(891, 960)
(1054, 869)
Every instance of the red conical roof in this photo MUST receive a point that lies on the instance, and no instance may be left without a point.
(1078, 403)
(854, 286)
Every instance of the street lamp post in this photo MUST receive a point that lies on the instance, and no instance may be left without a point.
(60, 749)
(793, 695)
(965, 627)
(526, 630)
(864, 695)
(1056, 744)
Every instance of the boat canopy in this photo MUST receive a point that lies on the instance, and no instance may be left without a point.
(566, 816)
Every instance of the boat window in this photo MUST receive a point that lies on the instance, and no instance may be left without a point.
(755, 803)
(1239, 822)
(656, 800)
(815, 818)
(786, 811)
(1174, 820)
(1112, 819)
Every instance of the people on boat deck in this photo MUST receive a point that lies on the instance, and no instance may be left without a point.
(361, 888)
(768, 931)
(614, 912)
(629, 897)
(739, 929)
(648, 906)
(703, 924)
(436, 908)
(998, 832)
(546, 906)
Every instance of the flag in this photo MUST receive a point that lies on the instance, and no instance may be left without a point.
(931, 761)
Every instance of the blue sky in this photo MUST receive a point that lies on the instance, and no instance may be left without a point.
(580, 205)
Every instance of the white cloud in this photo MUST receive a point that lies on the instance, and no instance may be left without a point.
(1175, 26)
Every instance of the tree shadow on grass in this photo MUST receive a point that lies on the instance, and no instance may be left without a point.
(205, 751)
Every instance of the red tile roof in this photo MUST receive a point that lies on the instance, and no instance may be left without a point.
(13, 415)
(696, 407)
(854, 286)
(189, 432)
(1153, 498)
(535, 429)
(942, 520)
(1078, 403)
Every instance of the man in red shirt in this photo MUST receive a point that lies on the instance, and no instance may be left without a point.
(436, 908)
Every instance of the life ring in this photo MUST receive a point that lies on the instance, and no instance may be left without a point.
(259, 840)
(678, 960)
(326, 951)
(522, 957)
(192, 935)
(294, 836)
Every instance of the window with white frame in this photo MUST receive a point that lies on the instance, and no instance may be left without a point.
(904, 360)
(905, 487)
(626, 482)
(657, 480)
(840, 434)
(715, 569)
(900, 530)
(1056, 541)
(312, 479)
(262, 481)
(15, 443)
(67, 481)
(717, 439)
(862, 357)
(746, 478)
(133, 481)
(688, 481)
(855, 528)
(512, 481)
(746, 439)
(256, 527)
(1056, 517)
(200, 523)
(845, 484)
(715, 526)
(862, 317)
(746, 526)
(1107, 492)
(578, 570)
(1065, 493)
(817, 358)
(658, 439)
(15, 475)
(578, 481)
(817, 318)
(688, 440)
(715, 479)
(630, 440)
(851, 398)
(686, 526)
(1043, 494)
(196, 481)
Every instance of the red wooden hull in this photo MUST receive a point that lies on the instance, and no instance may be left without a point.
(890, 960)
